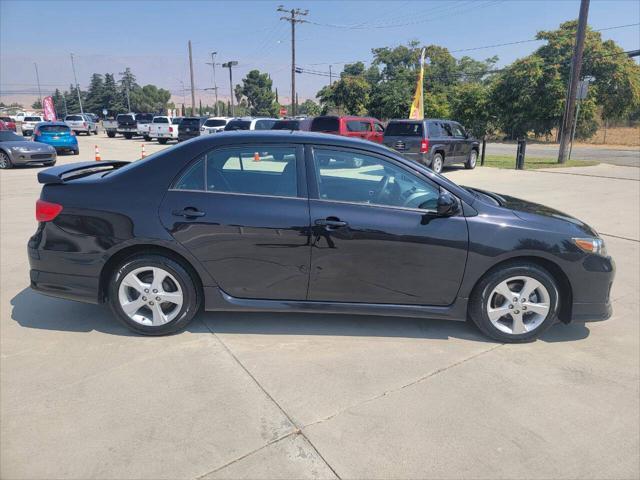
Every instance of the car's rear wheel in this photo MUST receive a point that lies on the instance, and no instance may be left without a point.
(472, 160)
(147, 138)
(5, 161)
(515, 303)
(437, 163)
(162, 141)
(153, 295)
(111, 134)
(128, 136)
(76, 151)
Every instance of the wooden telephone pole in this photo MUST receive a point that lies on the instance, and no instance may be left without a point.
(193, 94)
(576, 67)
(293, 20)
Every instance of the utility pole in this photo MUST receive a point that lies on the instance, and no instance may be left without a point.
(215, 86)
(73, 66)
(293, 20)
(193, 94)
(230, 64)
(38, 80)
(576, 67)
(330, 76)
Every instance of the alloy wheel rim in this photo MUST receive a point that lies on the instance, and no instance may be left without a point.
(150, 296)
(474, 158)
(3, 161)
(437, 164)
(518, 305)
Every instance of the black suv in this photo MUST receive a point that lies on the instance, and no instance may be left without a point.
(190, 127)
(432, 142)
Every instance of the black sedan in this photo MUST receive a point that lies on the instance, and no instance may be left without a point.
(290, 221)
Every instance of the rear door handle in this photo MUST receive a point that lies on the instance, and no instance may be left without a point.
(330, 222)
(189, 212)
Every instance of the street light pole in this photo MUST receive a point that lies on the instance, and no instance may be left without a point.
(38, 80)
(73, 66)
(230, 64)
(215, 86)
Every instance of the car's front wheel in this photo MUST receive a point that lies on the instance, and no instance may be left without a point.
(515, 303)
(472, 160)
(5, 161)
(153, 295)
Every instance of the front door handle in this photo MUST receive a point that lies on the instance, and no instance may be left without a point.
(330, 222)
(189, 212)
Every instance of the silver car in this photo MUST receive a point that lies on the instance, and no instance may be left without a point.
(80, 123)
(15, 150)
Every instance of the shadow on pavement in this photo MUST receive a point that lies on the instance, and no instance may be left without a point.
(33, 310)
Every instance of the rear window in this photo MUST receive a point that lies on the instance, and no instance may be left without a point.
(238, 125)
(176, 121)
(36, 119)
(286, 125)
(123, 118)
(74, 118)
(144, 118)
(6, 119)
(215, 123)
(325, 124)
(404, 129)
(161, 120)
(54, 128)
(190, 122)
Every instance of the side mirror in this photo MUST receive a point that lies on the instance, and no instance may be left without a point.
(448, 205)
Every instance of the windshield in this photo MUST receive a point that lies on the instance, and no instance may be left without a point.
(74, 118)
(32, 119)
(144, 118)
(212, 122)
(404, 129)
(10, 137)
(54, 128)
(161, 120)
(238, 125)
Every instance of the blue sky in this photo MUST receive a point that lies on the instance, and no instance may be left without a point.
(151, 36)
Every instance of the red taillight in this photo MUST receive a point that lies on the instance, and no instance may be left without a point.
(424, 146)
(170, 129)
(73, 133)
(47, 211)
(84, 124)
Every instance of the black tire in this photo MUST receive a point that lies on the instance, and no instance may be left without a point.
(188, 284)
(5, 161)
(50, 164)
(437, 163)
(128, 136)
(111, 134)
(480, 298)
(147, 138)
(162, 141)
(76, 152)
(472, 161)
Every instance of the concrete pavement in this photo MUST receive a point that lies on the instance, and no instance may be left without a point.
(313, 396)
(624, 156)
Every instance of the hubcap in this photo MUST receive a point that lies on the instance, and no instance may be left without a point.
(518, 305)
(437, 164)
(3, 161)
(150, 296)
(474, 158)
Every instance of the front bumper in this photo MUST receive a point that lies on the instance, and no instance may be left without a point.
(32, 158)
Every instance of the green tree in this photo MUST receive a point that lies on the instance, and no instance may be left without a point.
(95, 95)
(309, 107)
(256, 91)
(36, 104)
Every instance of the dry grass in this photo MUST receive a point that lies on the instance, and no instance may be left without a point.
(616, 136)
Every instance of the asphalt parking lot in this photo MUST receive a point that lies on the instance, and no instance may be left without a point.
(311, 396)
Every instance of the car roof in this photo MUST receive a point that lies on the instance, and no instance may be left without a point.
(413, 120)
(59, 123)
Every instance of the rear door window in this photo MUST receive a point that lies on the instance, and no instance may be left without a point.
(378, 127)
(434, 130)
(238, 125)
(264, 124)
(446, 130)
(358, 126)
(457, 130)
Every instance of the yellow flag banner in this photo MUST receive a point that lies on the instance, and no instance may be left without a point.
(417, 106)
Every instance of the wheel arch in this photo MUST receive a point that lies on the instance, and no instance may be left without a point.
(564, 286)
(138, 249)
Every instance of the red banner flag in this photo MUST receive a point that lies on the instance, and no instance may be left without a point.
(49, 110)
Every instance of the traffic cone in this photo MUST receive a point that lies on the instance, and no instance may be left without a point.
(256, 157)
(98, 158)
(143, 152)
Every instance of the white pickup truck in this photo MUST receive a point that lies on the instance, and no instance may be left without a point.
(164, 128)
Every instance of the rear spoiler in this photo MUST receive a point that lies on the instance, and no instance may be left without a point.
(61, 173)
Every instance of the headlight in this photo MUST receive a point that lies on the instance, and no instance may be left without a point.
(591, 245)
(21, 149)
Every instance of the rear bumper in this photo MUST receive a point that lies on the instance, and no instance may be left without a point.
(422, 158)
(70, 287)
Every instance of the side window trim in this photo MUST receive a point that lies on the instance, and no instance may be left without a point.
(313, 181)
